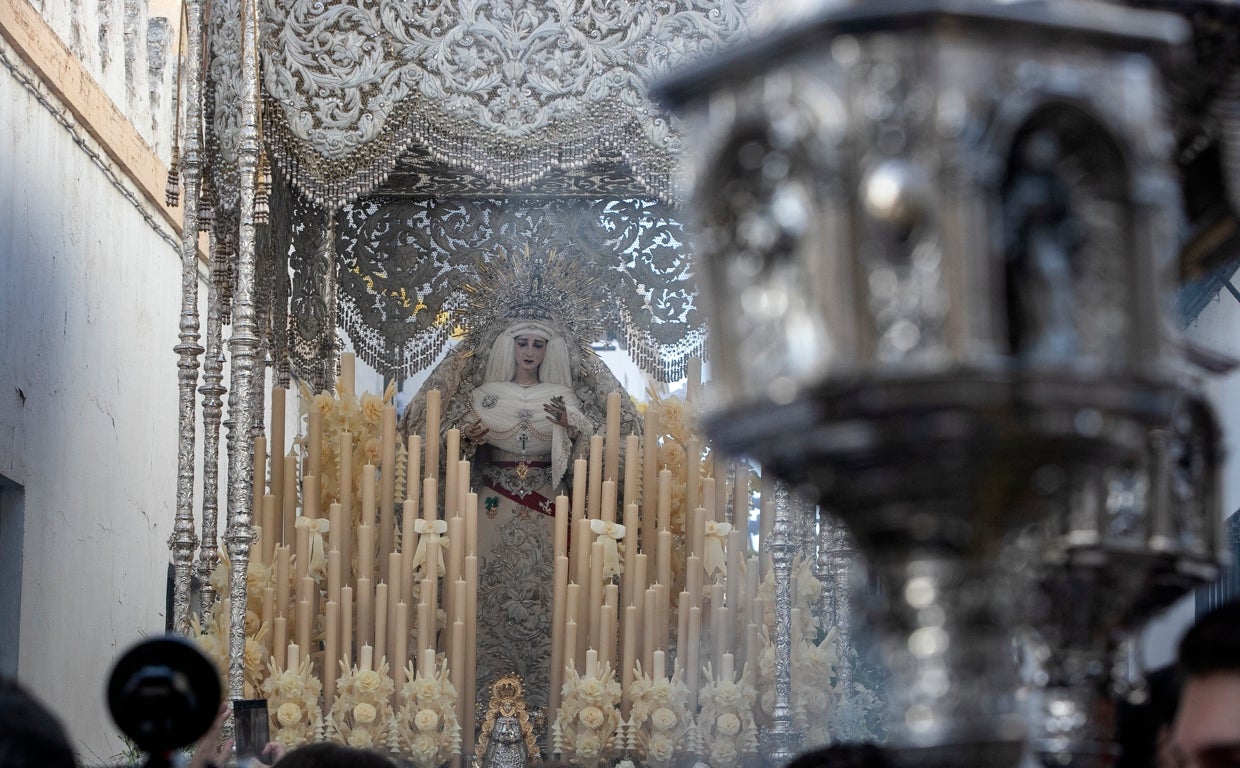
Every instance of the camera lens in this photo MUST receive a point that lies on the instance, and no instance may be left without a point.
(163, 694)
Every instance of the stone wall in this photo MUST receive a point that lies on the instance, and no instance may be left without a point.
(89, 307)
(129, 47)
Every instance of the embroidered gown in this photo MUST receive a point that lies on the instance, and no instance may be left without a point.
(522, 466)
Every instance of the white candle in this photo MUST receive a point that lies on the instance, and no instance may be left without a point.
(432, 433)
(595, 491)
(348, 378)
(665, 500)
(289, 499)
(452, 454)
(280, 641)
(628, 658)
(387, 482)
(608, 511)
(346, 625)
(365, 551)
(413, 472)
(282, 581)
(426, 637)
(693, 472)
(691, 664)
(632, 465)
(561, 525)
(293, 660)
(365, 610)
(400, 652)
(277, 461)
(650, 476)
(368, 498)
(581, 481)
(331, 655)
(271, 529)
(381, 620)
(314, 449)
(344, 536)
(366, 658)
(693, 376)
(611, 458)
(591, 662)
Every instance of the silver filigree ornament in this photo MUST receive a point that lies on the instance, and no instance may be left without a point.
(508, 89)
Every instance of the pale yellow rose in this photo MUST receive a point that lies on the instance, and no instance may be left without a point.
(591, 717)
(426, 720)
(672, 456)
(727, 695)
(424, 747)
(663, 719)
(365, 713)
(286, 685)
(361, 739)
(372, 408)
(255, 656)
(728, 724)
(591, 690)
(367, 681)
(722, 752)
(588, 746)
(288, 714)
(373, 451)
(661, 747)
(323, 403)
(425, 688)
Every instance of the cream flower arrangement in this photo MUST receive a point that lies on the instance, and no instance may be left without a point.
(726, 723)
(586, 723)
(362, 418)
(676, 422)
(293, 701)
(362, 715)
(427, 726)
(660, 714)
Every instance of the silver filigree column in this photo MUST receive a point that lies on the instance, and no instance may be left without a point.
(183, 541)
(833, 569)
(784, 545)
(213, 391)
(243, 344)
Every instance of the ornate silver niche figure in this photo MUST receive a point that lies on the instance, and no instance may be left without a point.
(931, 235)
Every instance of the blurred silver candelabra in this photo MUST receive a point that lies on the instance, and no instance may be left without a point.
(934, 238)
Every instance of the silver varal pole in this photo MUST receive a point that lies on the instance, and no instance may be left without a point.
(183, 541)
(782, 736)
(243, 344)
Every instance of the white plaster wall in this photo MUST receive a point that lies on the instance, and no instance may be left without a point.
(129, 48)
(89, 305)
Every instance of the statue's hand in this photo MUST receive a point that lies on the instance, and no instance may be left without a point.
(557, 412)
(476, 433)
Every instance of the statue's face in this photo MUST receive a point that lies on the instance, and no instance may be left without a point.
(530, 351)
(507, 730)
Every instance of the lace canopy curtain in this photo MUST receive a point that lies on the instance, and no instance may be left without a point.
(455, 105)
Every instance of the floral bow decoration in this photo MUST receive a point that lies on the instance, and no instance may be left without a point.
(431, 539)
(609, 534)
(317, 527)
(716, 539)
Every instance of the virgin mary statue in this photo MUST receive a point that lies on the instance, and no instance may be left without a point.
(527, 392)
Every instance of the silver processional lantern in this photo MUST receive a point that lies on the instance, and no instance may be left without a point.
(937, 240)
